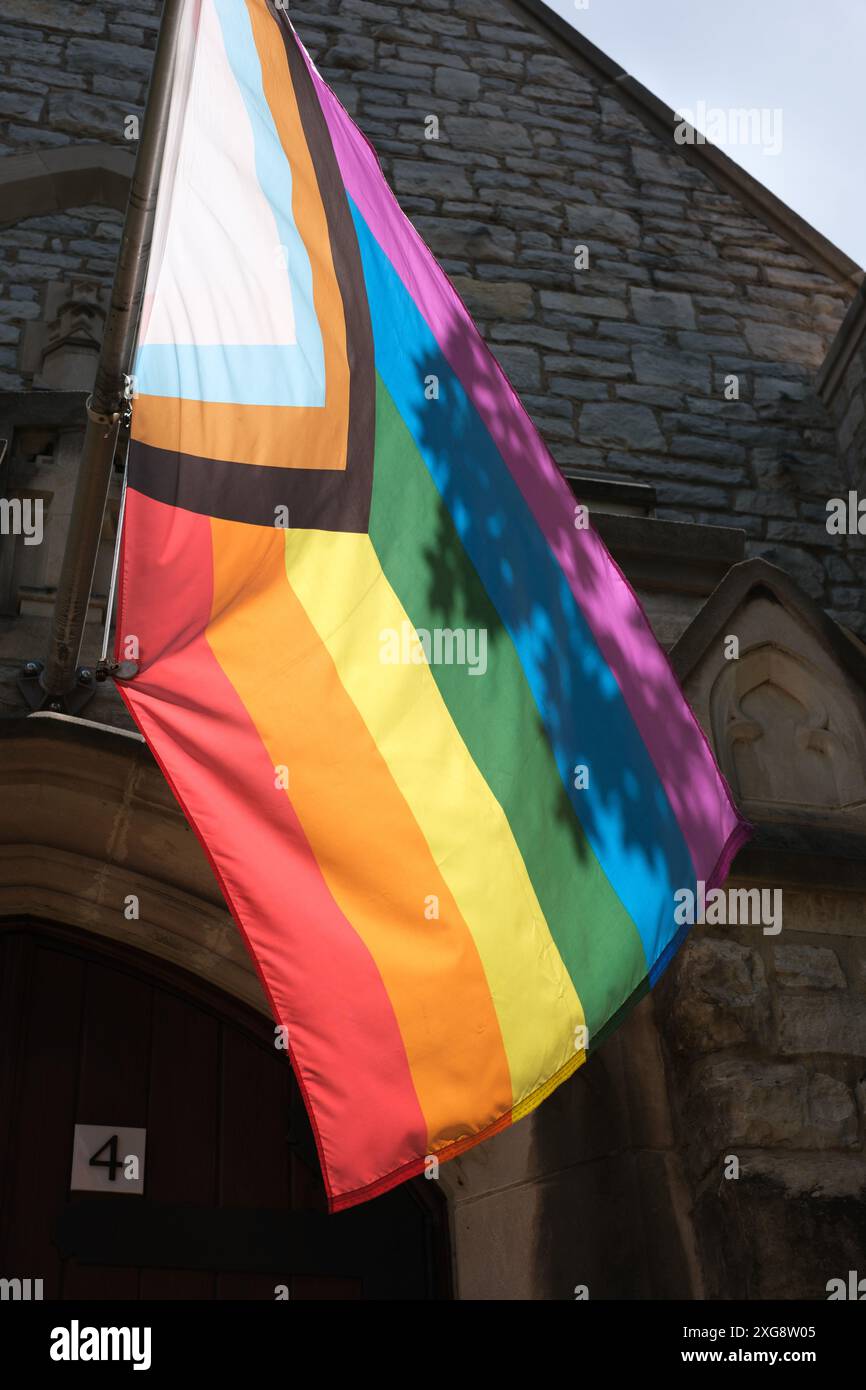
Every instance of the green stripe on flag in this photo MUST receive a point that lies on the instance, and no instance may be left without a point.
(429, 570)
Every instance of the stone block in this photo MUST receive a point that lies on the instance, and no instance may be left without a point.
(784, 344)
(790, 1223)
(457, 83)
(552, 71)
(423, 177)
(523, 37)
(833, 1023)
(99, 55)
(24, 106)
(85, 115)
(55, 14)
(590, 223)
(653, 167)
(667, 368)
(554, 339)
(734, 1102)
(495, 299)
(521, 365)
(632, 426)
(463, 236)
(580, 391)
(588, 306)
(352, 51)
(808, 967)
(660, 396)
(478, 133)
(720, 997)
(663, 308)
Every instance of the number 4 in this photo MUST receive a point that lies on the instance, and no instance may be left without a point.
(112, 1163)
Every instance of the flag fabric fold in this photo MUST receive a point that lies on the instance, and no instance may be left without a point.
(407, 701)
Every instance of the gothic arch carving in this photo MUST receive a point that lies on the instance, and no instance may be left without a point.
(786, 737)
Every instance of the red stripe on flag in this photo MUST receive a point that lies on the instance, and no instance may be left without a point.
(319, 977)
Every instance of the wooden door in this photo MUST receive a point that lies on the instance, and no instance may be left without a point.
(233, 1203)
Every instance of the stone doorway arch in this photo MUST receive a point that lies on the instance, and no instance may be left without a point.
(233, 1205)
(88, 827)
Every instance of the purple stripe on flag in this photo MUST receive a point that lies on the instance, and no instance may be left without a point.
(676, 743)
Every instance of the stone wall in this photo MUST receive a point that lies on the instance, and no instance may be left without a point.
(623, 364)
(69, 73)
(766, 1044)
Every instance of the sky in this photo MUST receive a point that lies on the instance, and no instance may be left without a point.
(802, 58)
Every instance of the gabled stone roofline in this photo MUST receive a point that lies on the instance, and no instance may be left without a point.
(724, 172)
(741, 580)
(53, 179)
(850, 340)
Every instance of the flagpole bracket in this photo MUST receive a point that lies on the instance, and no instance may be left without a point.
(109, 422)
(71, 701)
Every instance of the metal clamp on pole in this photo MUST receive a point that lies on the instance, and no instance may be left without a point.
(116, 670)
(58, 678)
(99, 419)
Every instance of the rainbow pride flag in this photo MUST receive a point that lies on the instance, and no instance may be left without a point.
(410, 706)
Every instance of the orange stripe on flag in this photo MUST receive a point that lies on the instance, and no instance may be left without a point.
(376, 862)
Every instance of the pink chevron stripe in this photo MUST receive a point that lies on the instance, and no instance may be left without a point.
(677, 745)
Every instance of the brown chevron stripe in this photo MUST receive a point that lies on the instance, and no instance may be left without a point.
(317, 499)
(320, 499)
(350, 278)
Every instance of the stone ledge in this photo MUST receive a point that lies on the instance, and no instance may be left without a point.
(671, 555)
(611, 496)
(804, 855)
(41, 408)
(52, 180)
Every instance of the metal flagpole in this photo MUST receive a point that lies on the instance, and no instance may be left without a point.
(106, 405)
(109, 606)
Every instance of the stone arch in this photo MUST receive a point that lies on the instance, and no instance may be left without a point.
(86, 822)
(235, 1201)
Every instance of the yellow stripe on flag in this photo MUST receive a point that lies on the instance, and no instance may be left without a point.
(339, 581)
